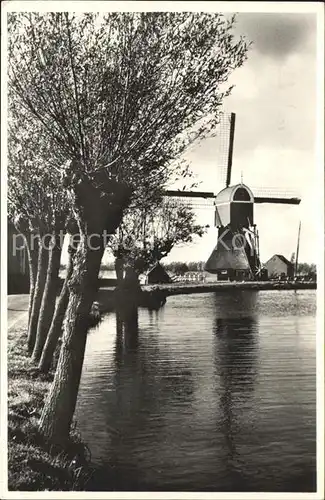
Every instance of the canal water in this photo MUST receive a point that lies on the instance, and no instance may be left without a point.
(210, 393)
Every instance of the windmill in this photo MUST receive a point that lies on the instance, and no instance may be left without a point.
(236, 254)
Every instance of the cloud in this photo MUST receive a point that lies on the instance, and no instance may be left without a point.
(278, 35)
(275, 90)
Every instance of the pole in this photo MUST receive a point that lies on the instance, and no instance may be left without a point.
(258, 244)
(297, 253)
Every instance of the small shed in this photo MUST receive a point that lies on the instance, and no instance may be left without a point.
(156, 274)
(278, 266)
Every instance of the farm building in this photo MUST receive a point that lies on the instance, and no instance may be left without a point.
(278, 266)
(157, 274)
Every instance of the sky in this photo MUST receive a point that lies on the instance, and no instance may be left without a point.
(275, 104)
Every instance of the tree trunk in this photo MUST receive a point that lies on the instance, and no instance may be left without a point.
(32, 249)
(42, 263)
(49, 297)
(119, 270)
(131, 280)
(95, 213)
(128, 294)
(22, 225)
(60, 405)
(128, 291)
(57, 320)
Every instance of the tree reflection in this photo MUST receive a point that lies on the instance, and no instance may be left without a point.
(148, 383)
(127, 328)
(141, 353)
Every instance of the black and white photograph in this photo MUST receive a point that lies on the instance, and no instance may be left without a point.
(162, 250)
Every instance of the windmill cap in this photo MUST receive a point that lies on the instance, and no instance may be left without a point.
(237, 193)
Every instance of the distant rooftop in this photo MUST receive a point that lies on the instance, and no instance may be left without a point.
(282, 257)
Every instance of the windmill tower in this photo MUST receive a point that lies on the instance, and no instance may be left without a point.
(236, 254)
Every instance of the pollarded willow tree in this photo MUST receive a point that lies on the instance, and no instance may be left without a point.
(123, 95)
(148, 234)
(38, 207)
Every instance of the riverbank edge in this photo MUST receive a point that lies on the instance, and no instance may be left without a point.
(229, 286)
(154, 296)
(34, 465)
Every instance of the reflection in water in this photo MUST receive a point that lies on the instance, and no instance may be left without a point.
(156, 315)
(236, 353)
(143, 388)
(209, 393)
(236, 304)
(236, 367)
(127, 331)
(137, 355)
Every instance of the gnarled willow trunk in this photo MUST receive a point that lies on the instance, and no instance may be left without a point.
(59, 408)
(128, 292)
(49, 297)
(131, 280)
(95, 212)
(32, 249)
(42, 264)
(57, 320)
(31, 243)
(119, 270)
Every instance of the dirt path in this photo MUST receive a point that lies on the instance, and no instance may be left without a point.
(17, 310)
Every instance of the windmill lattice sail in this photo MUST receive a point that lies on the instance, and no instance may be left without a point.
(226, 135)
(276, 195)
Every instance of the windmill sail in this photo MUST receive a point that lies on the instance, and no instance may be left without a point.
(270, 199)
(225, 136)
(192, 199)
(231, 147)
(274, 195)
(188, 194)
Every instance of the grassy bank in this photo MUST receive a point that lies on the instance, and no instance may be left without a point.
(32, 463)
